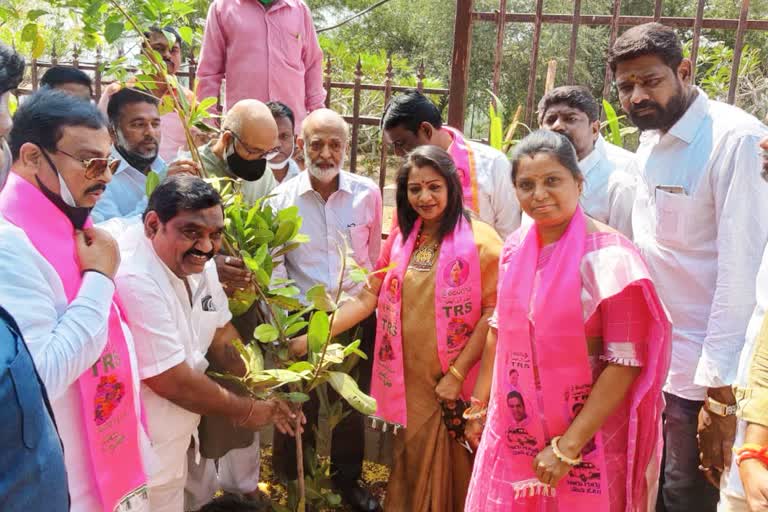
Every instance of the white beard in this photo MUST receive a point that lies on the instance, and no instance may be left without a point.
(322, 175)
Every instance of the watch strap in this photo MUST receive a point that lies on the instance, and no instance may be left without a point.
(719, 408)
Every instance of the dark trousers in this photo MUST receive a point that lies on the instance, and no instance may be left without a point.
(348, 438)
(683, 487)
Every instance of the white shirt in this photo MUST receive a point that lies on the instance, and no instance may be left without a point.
(731, 480)
(168, 330)
(609, 191)
(65, 340)
(352, 215)
(703, 245)
(496, 196)
(616, 154)
(126, 194)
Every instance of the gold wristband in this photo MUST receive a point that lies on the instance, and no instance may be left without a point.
(456, 373)
(561, 456)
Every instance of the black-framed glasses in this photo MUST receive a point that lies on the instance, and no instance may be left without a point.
(267, 154)
(94, 167)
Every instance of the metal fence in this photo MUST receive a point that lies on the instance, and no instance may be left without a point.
(338, 91)
(466, 15)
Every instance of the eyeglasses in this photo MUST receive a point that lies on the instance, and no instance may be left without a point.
(94, 167)
(267, 154)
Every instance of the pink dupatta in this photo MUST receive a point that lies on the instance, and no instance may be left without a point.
(464, 159)
(541, 337)
(457, 311)
(110, 421)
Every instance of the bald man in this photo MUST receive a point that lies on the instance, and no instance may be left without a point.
(248, 139)
(338, 209)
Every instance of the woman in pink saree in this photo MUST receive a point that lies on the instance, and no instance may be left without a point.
(572, 374)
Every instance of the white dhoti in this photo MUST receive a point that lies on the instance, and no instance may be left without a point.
(238, 473)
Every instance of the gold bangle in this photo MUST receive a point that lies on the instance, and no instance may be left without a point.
(561, 456)
(456, 373)
(250, 413)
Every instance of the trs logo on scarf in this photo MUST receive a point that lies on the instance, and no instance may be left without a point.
(109, 393)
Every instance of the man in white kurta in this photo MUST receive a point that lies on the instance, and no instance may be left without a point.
(700, 219)
(411, 120)
(179, 314)
(609, 191)
(66, 338)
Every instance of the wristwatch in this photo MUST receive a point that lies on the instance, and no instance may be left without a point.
(720, 409)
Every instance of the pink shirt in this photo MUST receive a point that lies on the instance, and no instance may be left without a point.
(263, 54)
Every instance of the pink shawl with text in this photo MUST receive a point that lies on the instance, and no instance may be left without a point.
(541, 336)
(110, 420)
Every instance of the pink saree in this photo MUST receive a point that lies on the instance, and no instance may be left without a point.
(543, 374)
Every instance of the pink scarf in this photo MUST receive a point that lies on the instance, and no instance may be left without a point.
(457, 311)
(533, 338)
(464, 159)
(109, 404)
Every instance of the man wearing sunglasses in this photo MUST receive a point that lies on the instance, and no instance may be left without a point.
(57, 281)
(17, 490)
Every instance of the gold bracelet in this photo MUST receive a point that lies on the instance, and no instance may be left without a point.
(456, 373)
(561, 456)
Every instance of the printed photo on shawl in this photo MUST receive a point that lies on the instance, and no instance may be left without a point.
(456, 273)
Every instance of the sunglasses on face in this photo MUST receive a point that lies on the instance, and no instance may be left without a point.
(94, 167)
(266, 154)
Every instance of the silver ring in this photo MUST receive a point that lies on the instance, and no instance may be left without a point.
(227, 260)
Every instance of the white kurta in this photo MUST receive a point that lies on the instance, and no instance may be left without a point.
(168, 330)
(701, 221)
(65, 340)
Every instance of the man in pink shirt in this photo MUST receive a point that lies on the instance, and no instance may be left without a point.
(265, 50)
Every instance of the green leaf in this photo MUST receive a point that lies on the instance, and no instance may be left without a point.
(348, 389)
(186, 34)
(266, 333)
(284, 232)
(613, 123)
(287, 303)
(319, 328)
(286, 249)
(153, 180)
(289, 213)
(206, 104)
(320, 298)
(166, 105)
(29, 32)
(288, 291)
(301, 366)
(296, 397)
(241, 301)
(113, 31)
(261, 277)
(36, 13)
(295, 328)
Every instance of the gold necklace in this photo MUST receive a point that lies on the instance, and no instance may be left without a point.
(424, 255)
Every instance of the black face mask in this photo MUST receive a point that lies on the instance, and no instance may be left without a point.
(139, 162)
(248, 170)
(76, 214)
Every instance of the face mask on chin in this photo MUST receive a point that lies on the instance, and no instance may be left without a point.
(277, 166)
(136, 160)
(64, 201)
(247, 170)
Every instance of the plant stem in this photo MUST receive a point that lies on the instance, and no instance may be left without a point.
(300, 462)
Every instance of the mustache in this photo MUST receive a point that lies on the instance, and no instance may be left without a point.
(195, 252)
(98, 187)
(643, 105)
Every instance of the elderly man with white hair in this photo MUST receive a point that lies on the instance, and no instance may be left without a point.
(338, 208)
